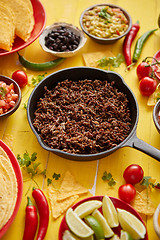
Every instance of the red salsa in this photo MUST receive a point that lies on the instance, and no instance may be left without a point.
(8, 97)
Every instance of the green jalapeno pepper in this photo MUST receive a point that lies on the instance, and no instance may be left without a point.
(139, 44)
(39, 66)
(159, 21)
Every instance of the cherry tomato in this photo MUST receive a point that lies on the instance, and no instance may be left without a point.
(147, 86)
(143, 71)
(20, 77)
(133, 174)
(127, 192)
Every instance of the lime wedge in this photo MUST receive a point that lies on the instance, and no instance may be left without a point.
(125, 236)
(115, 237)
(96, 226)
(131, 224)
(67, 235)
(101, 219)
(77, 225)
(87, 208)
(109, 212)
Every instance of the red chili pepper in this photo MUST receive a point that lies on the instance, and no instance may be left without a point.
(128, 42)
(31, 221)
(43, 209)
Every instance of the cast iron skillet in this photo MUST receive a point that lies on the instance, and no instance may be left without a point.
(81, 73)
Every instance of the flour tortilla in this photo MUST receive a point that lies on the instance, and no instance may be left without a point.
(8, 188)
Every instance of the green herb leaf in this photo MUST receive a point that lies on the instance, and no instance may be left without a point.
(3, 91)
(33, 156)
(44, 172)
(108, 177)
(112, 182)
(36, 80)
(56, 176)
(49, 181)
(31, 171)
(111, 62)
(103, 13)
(28, 163)
(25, 106)
(146, 182)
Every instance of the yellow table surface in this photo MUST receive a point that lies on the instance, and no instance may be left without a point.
(15, 130)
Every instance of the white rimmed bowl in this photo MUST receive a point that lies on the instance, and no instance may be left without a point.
(71, 28)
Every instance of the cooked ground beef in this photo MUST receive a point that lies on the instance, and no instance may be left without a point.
(83, 117)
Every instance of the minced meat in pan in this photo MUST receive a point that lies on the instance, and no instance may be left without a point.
(83, 117)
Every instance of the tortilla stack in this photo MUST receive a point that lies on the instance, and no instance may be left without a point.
(8, 188)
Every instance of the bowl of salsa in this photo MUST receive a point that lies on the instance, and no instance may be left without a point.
(10, 96)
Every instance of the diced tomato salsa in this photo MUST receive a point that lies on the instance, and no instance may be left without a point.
(8, 97)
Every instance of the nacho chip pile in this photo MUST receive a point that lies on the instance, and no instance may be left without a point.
(63, 198)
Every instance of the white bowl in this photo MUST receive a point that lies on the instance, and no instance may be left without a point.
(64, 54)
(155, 221)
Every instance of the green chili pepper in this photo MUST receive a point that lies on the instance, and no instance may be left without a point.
(39, 66)
(139, 44)
(159, 21)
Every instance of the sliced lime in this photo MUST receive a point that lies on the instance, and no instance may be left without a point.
(96, 226)
(77, 225)
(109, 212)
(125, 235)
(87, 208)
(101, 219)
(115, 237)
(131, 224)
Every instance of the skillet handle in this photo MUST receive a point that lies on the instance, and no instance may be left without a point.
(146, 148)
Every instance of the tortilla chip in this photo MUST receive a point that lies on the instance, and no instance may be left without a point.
(59, 207)
(152, 99)
(23, 17)
(143, 204)
(16, 19)
(7, 28)
(70, 187)
(29, 5)
(91, 59)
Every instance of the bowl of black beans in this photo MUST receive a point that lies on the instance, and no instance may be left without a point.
(62, 39)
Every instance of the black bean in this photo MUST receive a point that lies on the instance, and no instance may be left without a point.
(62, 39)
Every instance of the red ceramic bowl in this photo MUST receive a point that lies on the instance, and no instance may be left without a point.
(117, 203)
(18, 173)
